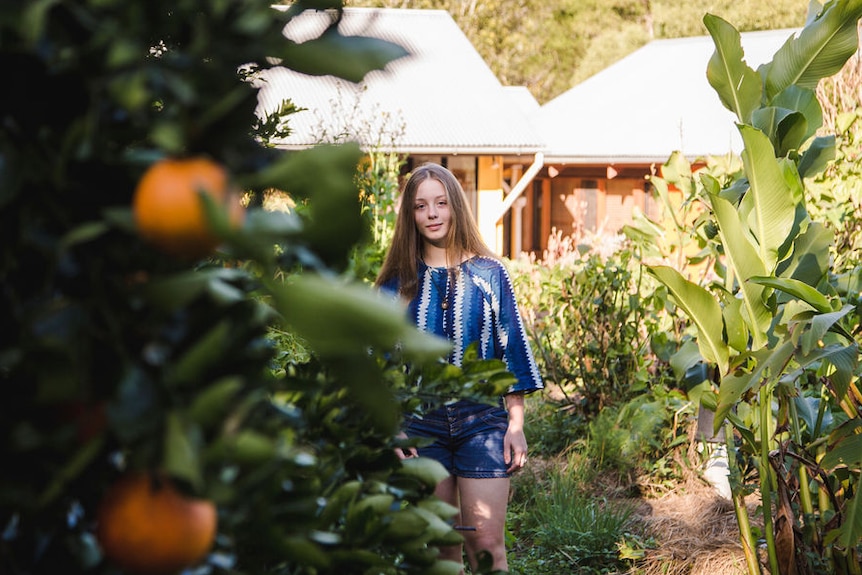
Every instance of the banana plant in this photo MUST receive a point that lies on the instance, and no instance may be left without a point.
(774, 324)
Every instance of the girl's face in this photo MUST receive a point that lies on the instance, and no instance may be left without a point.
(431, 212)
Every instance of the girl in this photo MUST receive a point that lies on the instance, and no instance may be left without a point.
(458, 289)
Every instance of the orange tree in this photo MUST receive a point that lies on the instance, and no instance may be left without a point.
(121, 357)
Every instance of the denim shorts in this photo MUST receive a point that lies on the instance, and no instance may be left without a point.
(468, 438)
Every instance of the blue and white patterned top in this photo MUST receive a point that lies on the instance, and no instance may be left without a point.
(480, 306)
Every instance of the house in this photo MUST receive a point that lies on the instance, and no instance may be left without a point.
(441, 103)
(576, 163)
(604, 135)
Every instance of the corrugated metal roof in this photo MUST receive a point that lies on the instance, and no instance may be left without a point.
(649, 104)
(441, 99)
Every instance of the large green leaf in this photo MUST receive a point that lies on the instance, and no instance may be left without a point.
(348, 57)
(738, 86)
(325, 175)
(844, 358)
(661, 189)
(735, 330)
(798, 289)
(851, 529)
(702, 309)
(804, 101)
(785, 128)
(677, 170)
(817, 156)
(769, 365)
(820, 50)
(769, 204)
(845, 447)
(846, 450)
(341, 320)
(824, 322)
(742, 257)
(809, 261)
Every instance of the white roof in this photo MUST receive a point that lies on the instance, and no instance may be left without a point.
(441, 99)
(649, 104)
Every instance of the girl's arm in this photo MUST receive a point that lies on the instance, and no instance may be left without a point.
(515, 442)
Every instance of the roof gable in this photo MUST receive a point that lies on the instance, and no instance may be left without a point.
(653, 102)
(442, 98)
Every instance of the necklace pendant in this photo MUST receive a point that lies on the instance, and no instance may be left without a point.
(445, 305)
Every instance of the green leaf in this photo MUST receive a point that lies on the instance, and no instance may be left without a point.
(210, 405)
(347, 57)
(844, 358)
(342, 320)
(807, 410)
(405, 524)
(428, 471)
(743, 258)
(181, 454)
(83, 233)
(738, 86)
(177, 291)
(809, 261)
(737, 331)
(820, 50)
(703, 310)
(439, 508)
(767, 119)
(304, 552)
(72, 469)
(804, 101)
(798, 289)
(821, 323)
(325, 175)
(248, 447)
(791, 134)
(661, 189)
(440, 532)
(817, 156)
(677, 170)
(444, 567)
(768, 205)
(847, 452)
(201, 356)
(770, 364)
(851, 529)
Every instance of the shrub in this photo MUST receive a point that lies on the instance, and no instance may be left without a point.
(590, 317)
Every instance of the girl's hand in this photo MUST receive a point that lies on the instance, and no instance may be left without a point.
(515, 450)
(405, 452)
(515, 442)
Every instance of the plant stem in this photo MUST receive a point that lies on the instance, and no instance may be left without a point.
(804, 492)
(766, 487)
(746, 538)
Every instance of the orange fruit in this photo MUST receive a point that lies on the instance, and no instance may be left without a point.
(146, 526)
(168, 209)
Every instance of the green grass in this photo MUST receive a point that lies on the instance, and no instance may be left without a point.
(562, 528)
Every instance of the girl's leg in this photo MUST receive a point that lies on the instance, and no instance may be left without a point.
(447, 490)
(483, 506)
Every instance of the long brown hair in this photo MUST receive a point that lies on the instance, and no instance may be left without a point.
(463, 237)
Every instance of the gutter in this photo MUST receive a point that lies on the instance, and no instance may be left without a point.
(424, 150)
(518, 189)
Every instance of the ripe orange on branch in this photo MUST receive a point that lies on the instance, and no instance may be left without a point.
(168, 209)
(147, 526)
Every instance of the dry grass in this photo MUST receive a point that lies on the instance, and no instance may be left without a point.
(695, 529)
(695, 532)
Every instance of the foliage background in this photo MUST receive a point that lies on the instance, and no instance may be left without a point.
(551, 46)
